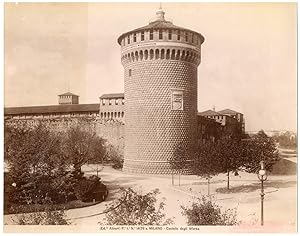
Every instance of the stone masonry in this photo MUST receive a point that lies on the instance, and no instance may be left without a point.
(160, 73)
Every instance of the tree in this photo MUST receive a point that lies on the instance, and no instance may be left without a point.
(286, 140)
(81, 146)
(206, 162)
(136, 209)
(205, 212)
(229, 155)
(35, 164)
(113, 155)
(179, 161)
(260, 147)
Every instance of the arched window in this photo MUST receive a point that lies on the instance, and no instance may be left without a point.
(146, 54)
(183, 55)
(187, 55)
(178, 55)
(168, 54)
(186, 36)
(128, 39)
(132, 56)
(141, 55)
(111, 115)
(156, 54)
(151, 54)
(136, 56)
(115, 114)
(119, 114)
(173, 54)
(162, 56)
(122, 114)
(134, 37)
(101, 114)
(128, 55)
(104, 115)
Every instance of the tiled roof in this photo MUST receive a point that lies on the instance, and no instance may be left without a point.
(52, 109)
(112, 95)
(68, 94)
(228, 111)
(159, 24)
(209, 113)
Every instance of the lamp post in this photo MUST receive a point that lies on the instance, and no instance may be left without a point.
(262, 176)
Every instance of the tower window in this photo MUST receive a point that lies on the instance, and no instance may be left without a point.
(142, 36)
(116, 101)
(178, 35)
(109, 103)
(186, 36)
(151, 34)
(128, 40)
(170, 34)
(134, 37)
(129, 72)
(103, 102)
(160, 36)
(192, 38)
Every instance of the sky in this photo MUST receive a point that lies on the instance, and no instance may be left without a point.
(249, 56)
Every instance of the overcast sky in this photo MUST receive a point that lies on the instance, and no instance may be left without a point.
(248, 57)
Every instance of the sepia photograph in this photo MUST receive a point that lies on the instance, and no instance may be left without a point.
(160, 117)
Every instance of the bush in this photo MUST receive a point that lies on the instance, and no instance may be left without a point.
(114, 156)
(117, 163)
(88, 189)
(42, 218)
(205, 212)
(136, 209)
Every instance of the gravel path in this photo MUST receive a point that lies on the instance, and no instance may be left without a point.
(280, 199)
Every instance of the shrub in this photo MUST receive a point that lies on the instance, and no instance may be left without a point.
(90, 188)
(136, 209)
(42, 218)
(114, 156)
(205, 212)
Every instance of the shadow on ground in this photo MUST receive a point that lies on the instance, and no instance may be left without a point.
(256, 186)
(116, 186)
(284, 167)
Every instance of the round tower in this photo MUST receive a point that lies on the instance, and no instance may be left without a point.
(160, 71)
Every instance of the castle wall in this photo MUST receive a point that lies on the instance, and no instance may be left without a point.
(111, 130)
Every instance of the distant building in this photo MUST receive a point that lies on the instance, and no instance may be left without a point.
(112, 106)
(236, 115)
(68, 98)
(232, 120)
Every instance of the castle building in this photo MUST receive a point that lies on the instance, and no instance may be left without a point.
(112, 106)
(158, 110)
(68, 98)
(160, 63)
(229, 118)
(236, 115)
